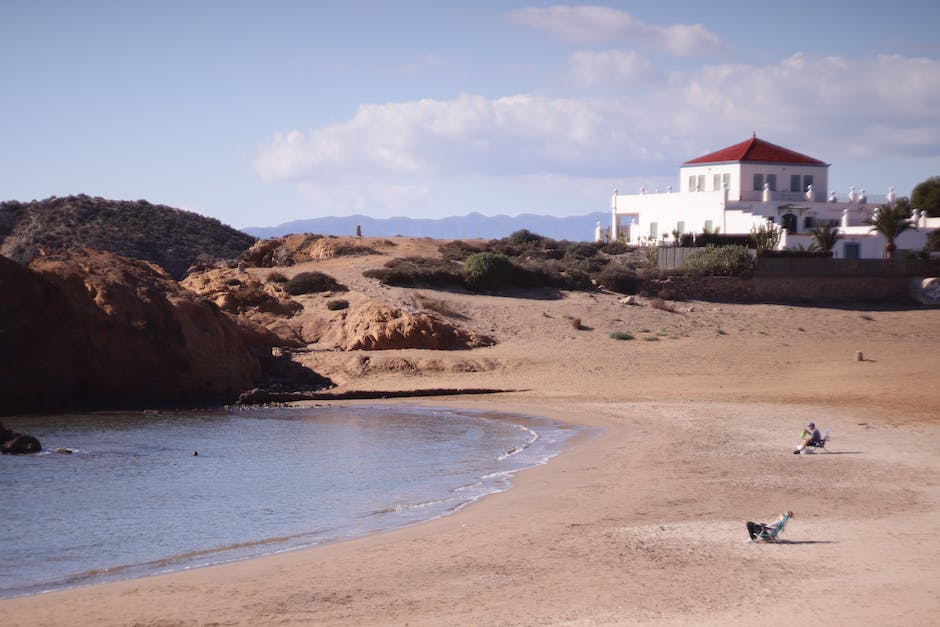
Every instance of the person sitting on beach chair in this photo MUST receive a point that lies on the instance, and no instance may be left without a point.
(768, 531)
(808, 437)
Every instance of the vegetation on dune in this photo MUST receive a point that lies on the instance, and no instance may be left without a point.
(619, 278)
(484, 272)
(524, 260)
(417, 272)
(719, 261)
(312, 282)
(171, 238)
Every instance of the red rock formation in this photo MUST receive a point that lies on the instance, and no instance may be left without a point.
(87, 328)
(378, 326)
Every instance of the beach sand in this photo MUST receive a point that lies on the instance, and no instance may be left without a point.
(641, 520)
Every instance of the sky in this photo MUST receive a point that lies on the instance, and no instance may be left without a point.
(259, 113)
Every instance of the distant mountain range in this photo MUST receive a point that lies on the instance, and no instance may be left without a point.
(470, 226)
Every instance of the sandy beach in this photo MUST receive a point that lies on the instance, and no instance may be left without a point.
(641, 521)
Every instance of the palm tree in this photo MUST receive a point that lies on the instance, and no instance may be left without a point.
(891, 221)
(825, 237)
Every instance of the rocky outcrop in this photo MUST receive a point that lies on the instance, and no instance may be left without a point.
(260, 309)
(13, 443)
(292, 249)
(83, 328)
(379, 326)
(926, 291)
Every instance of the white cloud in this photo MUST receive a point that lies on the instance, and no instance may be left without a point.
(394, 155)
(594, 24)
(588, 68)
(470, 134)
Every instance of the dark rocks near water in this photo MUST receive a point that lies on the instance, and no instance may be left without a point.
(13, 443)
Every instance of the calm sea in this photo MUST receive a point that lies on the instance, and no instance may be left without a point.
(133, 499)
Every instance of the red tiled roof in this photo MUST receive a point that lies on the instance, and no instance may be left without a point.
(755, 150)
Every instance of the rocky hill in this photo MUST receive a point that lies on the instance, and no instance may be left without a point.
(88, 329)
(171, 238)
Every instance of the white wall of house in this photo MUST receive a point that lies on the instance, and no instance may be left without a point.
(740, 179)
(710, 177)
(656, 214)
(781, 178)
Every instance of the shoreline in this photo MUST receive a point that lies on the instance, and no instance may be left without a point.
(541, 440)
(510, 558)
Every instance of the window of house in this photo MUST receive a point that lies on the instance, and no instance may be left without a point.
(795, 183)
(772, 182)
(807, 181)
(709, 226)
(758, 182)
(726, 180)
(680, 226)
(654, 230)
(691, 183)
(701, 183)
(716, 182)
(808, 222)
(852, 250)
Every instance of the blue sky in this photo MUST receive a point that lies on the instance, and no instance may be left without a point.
(258, 113)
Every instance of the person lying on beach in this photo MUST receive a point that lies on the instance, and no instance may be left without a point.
(809, 437)
(754, 530)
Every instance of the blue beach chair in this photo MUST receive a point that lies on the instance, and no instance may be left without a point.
(768, 533)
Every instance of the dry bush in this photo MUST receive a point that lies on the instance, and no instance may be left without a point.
(659, 303)
(437, 305)
(576, 324)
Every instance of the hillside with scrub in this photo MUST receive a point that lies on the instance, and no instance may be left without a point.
(173, 239)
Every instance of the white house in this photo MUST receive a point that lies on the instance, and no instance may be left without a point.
(744, 186)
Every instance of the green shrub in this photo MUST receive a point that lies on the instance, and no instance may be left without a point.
(718, 261)
(621, 335)
(524, 236)
(488, 271)
(312, 282)
(417, 271)
(551, 273)
(619, 278)
(580, 250)
(458, 250)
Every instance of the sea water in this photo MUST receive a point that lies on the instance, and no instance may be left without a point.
(146, 493)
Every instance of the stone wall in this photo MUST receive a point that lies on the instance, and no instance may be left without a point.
(793, 289)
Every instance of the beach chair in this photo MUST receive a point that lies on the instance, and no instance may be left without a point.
(819, 444)
(771, 533)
